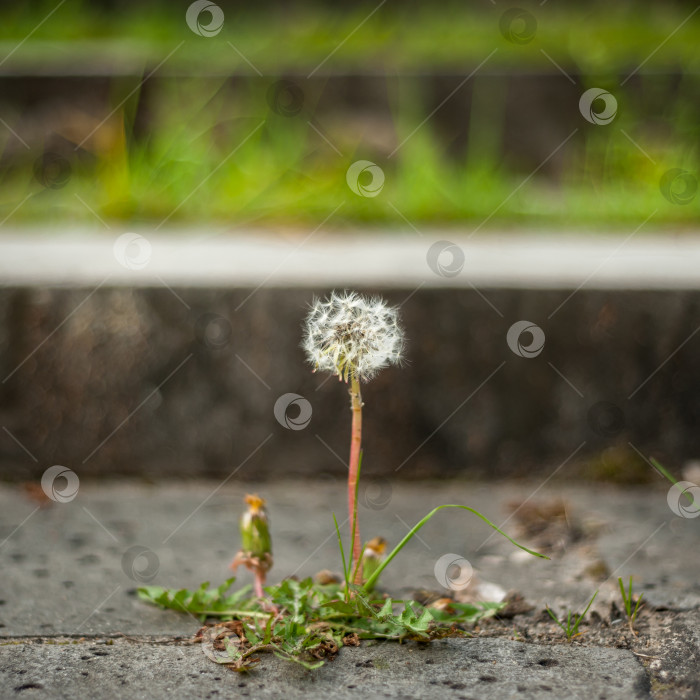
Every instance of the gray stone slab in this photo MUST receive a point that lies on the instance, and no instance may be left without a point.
(478, 668)
(675, 666)
(66, 569)
(93, 637)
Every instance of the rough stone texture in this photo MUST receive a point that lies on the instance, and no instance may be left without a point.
(677, 664)
(138, 382)
(67, 603)
(64, 572)
(460, 669)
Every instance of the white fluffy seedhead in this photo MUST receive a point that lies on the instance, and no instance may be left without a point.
(350, 335)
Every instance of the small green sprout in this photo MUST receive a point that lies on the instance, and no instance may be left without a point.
(627, 600)
(571, 630)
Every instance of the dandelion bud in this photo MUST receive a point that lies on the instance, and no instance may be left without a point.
(255, 533)
(256, 544)
(373, 556)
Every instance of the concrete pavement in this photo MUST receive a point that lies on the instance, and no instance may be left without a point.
(71, 624)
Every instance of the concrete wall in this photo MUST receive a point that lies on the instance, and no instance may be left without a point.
(138, 381)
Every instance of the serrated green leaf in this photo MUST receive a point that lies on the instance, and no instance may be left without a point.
(387, 610)
(425, 619)
(308, 615)
(341, 607)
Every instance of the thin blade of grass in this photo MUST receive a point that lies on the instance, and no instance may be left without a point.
(342, 549)
(359, 562)
(370, 581)
(636, 607)
(555, 618)
(629, 597)
(624, 595)
(673, 480)
(583, 614)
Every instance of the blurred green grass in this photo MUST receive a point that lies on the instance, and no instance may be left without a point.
(212, 154)
(407, 37)
(192, 168)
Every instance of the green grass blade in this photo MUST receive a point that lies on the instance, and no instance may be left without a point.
(624, 595)
(583, 614)
(589, 604)
(342, 549)
(629, 597)
(371, 580)
(663, 470)
(554, 617)
(359, 562)
(673, 480)
(636, 608)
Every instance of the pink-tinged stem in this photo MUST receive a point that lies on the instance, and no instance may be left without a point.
(355, 446)
(258, 583)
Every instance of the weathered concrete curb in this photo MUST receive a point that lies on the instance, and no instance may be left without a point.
(181, 381)
(379, 258)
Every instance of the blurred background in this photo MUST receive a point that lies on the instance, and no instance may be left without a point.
(124, 105)
(192, 119)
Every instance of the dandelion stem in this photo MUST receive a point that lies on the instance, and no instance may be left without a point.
(258, 583)
(355, 447)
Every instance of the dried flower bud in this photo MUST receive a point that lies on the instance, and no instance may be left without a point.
(373, 556)
(326, 577)
(350, 335)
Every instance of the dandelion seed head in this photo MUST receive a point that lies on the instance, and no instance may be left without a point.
(348, 334)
